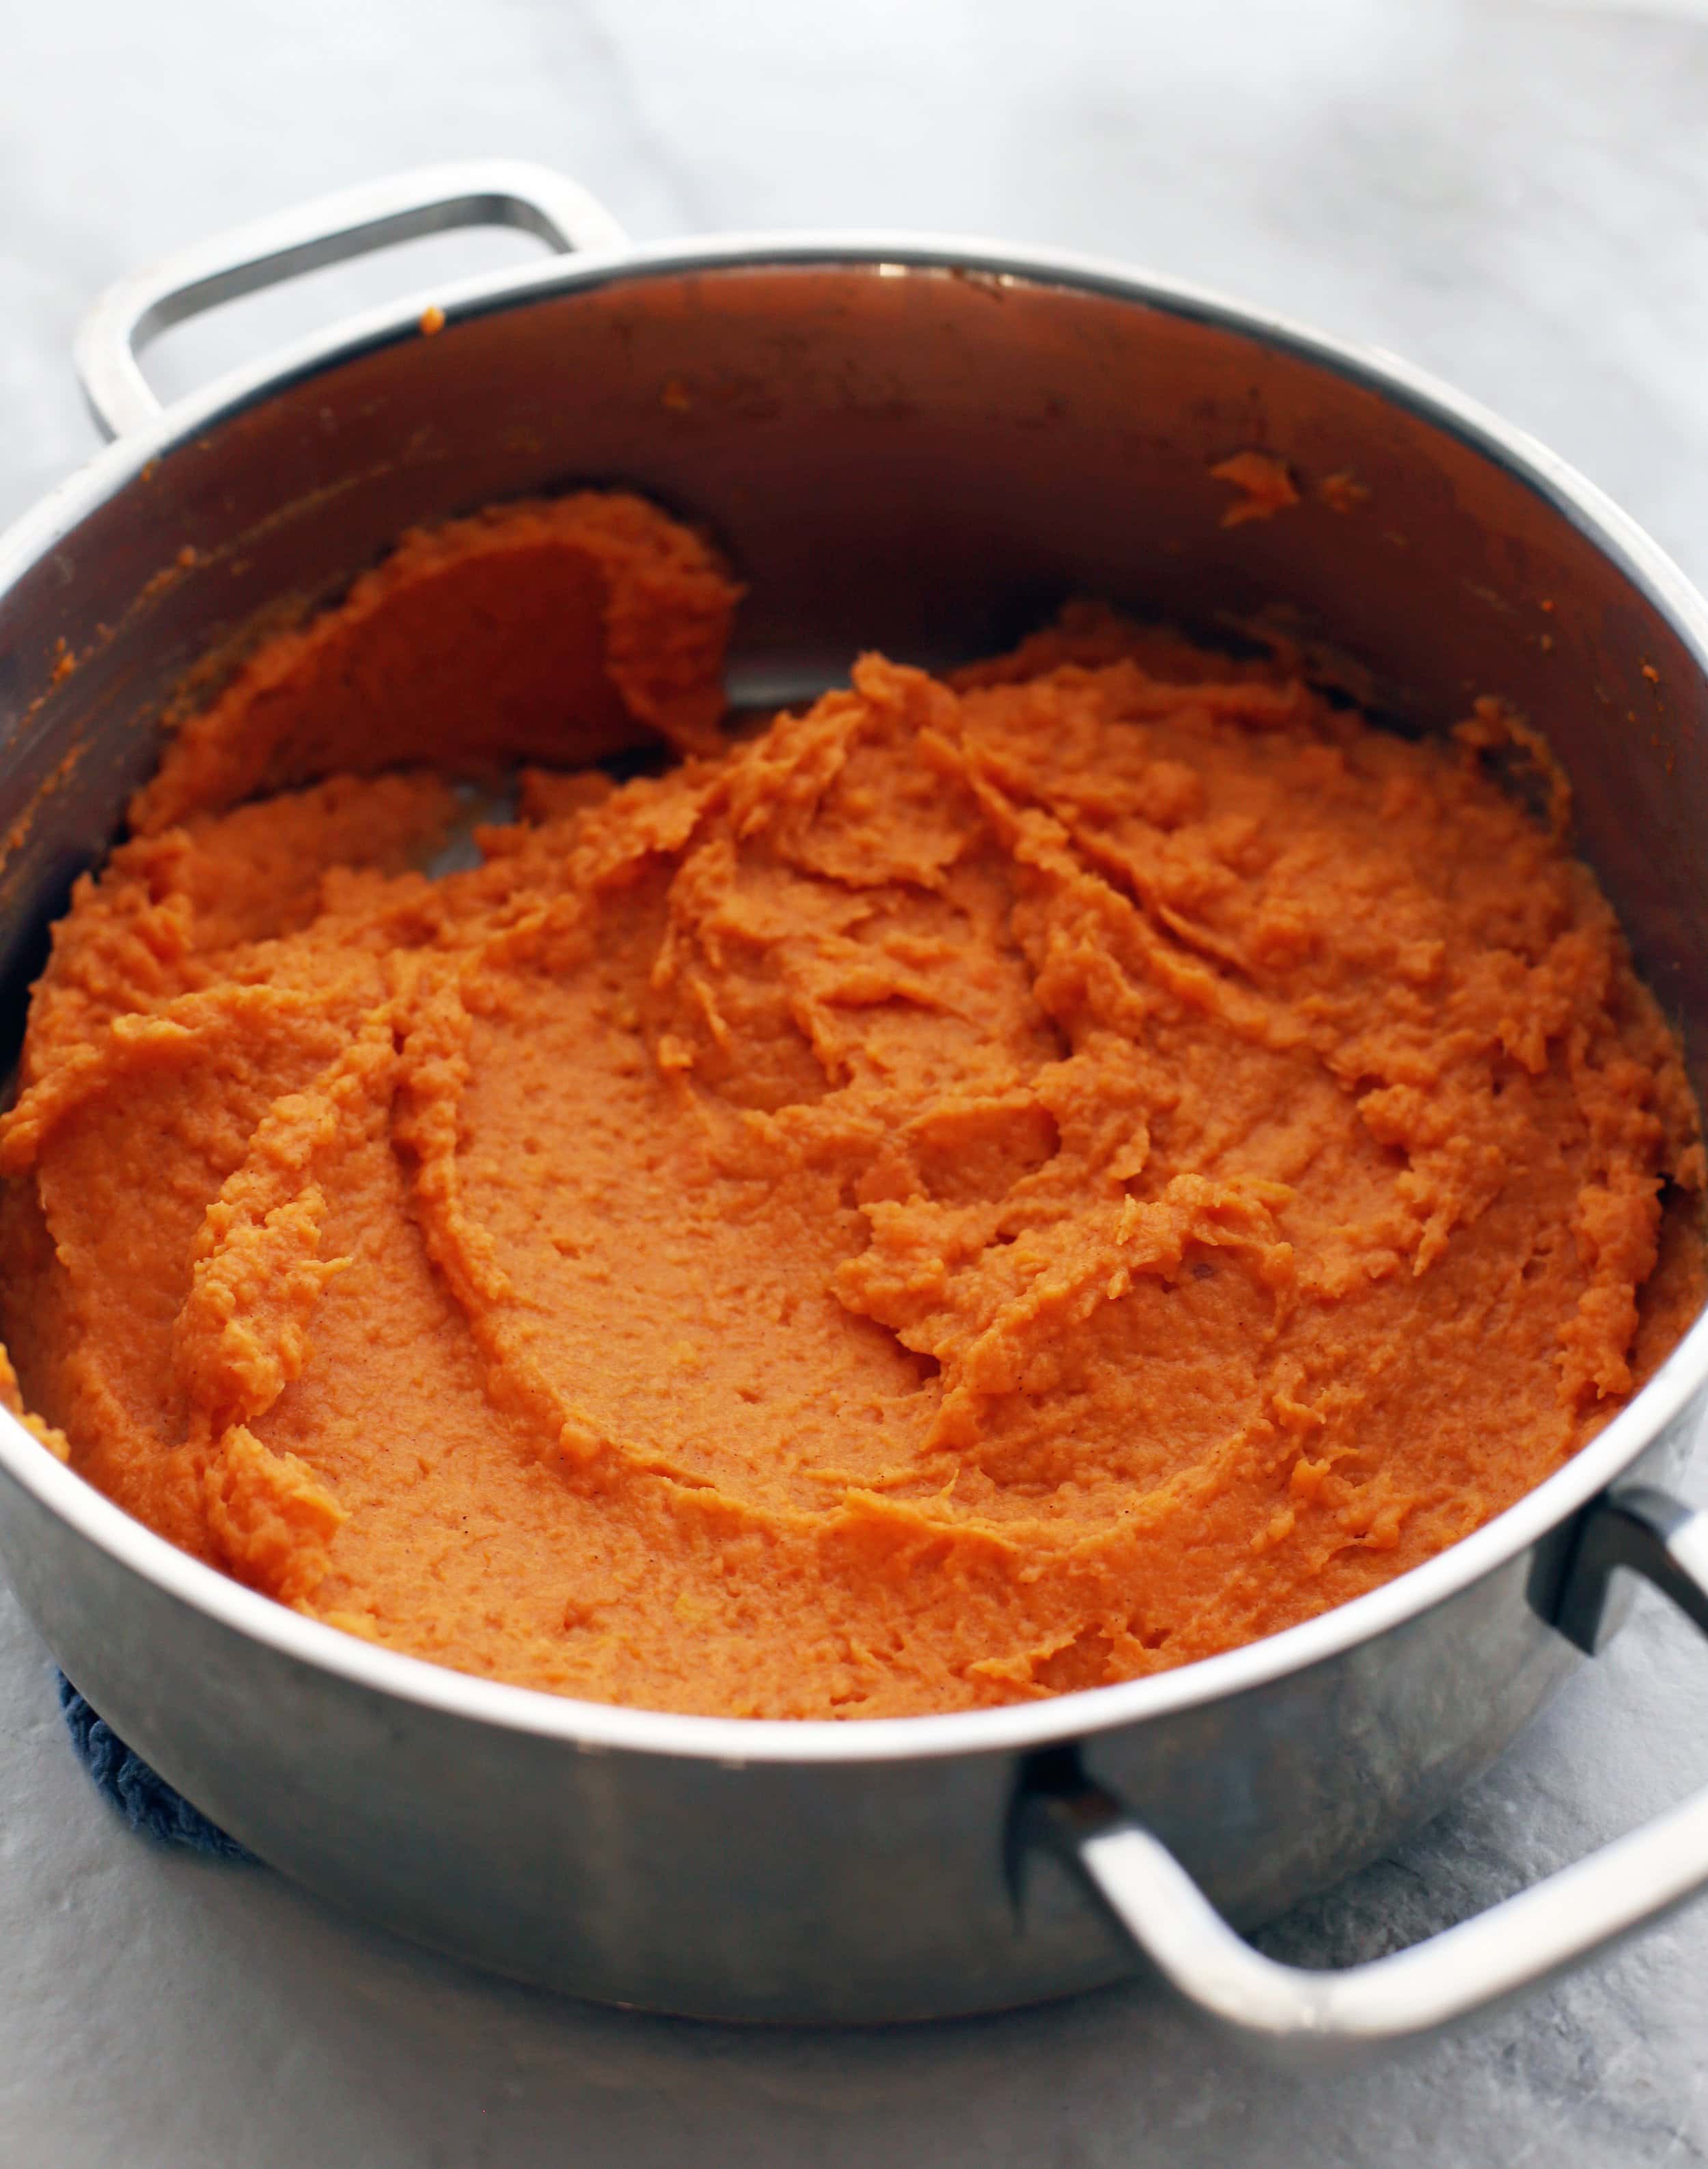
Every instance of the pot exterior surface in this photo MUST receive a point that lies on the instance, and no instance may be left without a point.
(903, 451)
(820, 1891)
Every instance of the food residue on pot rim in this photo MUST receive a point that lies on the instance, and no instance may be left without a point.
(1343, 491)
(1265, 483)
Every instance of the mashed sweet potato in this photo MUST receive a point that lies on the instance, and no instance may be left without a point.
(981, 1188)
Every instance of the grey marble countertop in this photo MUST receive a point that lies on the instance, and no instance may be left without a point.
(1514, 193)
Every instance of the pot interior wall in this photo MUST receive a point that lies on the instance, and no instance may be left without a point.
(906, 456)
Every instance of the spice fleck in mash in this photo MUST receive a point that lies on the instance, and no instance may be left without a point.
(984, 1187)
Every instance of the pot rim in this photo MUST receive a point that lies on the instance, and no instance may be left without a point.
(598, 1727)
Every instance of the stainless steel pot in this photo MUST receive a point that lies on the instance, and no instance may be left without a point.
(917, 443)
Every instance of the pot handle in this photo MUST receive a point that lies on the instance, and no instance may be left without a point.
(1298, 2016)
(431, 200)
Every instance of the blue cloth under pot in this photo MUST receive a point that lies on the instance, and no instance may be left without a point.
(145, 1799)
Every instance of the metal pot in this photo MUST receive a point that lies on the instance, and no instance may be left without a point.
(917, 444)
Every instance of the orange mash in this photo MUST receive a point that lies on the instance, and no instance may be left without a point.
(981, 1188)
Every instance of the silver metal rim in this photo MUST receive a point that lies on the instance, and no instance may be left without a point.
(597, 1726)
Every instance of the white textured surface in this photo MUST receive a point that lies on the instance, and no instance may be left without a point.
(1511, 193)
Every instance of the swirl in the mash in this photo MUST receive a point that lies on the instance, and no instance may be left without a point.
(980, 1188)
